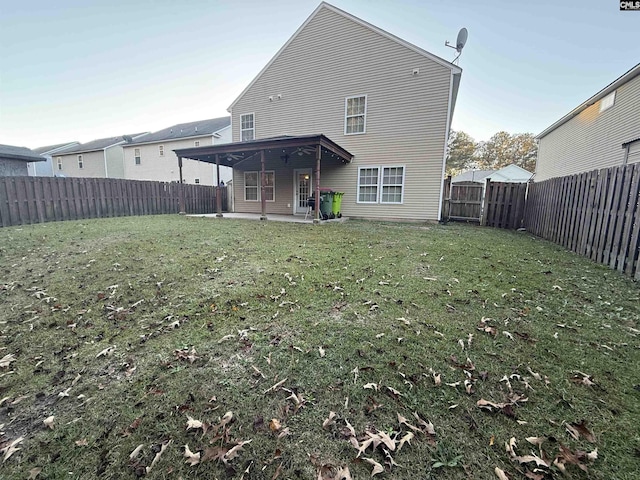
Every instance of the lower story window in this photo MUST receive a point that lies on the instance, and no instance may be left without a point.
(252, 186)
(197, 180)
(381, 184)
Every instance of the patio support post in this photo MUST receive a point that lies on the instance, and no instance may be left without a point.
(263, 200)
(318, 156)
(218, 189)
(181, 187)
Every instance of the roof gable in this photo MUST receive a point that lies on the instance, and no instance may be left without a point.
(102, 143)
(323, 5)
(624, 78)
(199, 128)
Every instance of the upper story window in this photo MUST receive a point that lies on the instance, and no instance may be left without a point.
(80, 162)
(161, 150)
(608, 101)
(196, 143)
(59, 162)
(197, 181)
(136, 156)
(355, 115)
(247, 127)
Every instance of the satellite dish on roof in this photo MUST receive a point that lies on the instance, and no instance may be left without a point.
(461, 41)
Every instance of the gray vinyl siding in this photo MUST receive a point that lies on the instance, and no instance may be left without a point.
(592, 139)
(333, 58)
(12, 168)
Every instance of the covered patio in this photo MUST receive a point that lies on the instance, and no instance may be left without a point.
(299, 157)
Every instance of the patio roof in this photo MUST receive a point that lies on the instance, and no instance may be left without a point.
(231, 154)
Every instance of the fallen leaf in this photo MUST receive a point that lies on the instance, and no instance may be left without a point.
(34, 472)
(501, 474)
(377, 468)
(322, 351)
(329, 420)
(274, 387)
(11, 448)
(7, 360)
(406, 439)
(82, 443)
(49, 421)
(106, 351)
(275, 425)
(577, 430)
(191, 458)
(136, 451)
(226, 418)
(235, 451)
(155, 460)
(192, 423)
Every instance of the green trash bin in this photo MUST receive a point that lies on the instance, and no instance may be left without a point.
(337, 203)
(326, 203)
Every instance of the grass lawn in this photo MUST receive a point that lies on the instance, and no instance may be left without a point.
(290, 351)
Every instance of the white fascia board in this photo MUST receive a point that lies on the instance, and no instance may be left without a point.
(446, 142)
(435, 58)
(168, 140)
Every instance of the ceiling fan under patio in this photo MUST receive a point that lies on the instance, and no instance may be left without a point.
(307, 150)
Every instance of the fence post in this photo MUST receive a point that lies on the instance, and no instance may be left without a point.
(485, 203)
(446, 199)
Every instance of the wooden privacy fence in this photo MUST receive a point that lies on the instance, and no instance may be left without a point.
(499, 205)
(25, 200)
(504, 205)
(595, 214)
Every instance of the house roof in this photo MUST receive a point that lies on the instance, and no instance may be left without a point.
(10, 152)
(634, 72)
(102, 143)
(511, 173)
(231, 154)
(200, 128)
(472, 176)
(54, 148)
(454, 68)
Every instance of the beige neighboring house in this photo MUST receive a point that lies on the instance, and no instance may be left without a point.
(46, 168)
(602, 132)
(152, 157)
(101, 158)
(365, 109)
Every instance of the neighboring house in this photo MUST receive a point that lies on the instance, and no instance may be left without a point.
(47, 168)
(14, 160)
(152, 157)
(102, 158)
(365, 109)
(472, 176)
(510, 174)
(602, 132)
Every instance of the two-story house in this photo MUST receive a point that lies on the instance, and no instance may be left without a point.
(601, 132)
(47, 168)
(343, 105)
(101, 158)
(152, 158)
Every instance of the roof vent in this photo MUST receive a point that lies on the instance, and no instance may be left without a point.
(196, 128)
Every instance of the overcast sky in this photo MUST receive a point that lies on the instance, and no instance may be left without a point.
(80, 70)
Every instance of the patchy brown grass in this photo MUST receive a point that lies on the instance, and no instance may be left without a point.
(485, 335)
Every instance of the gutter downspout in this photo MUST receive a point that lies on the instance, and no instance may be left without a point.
(106, 168)
(446, 142)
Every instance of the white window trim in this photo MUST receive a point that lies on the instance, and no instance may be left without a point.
(80, 162)
(366, 104)
(248, 129)
(380, 185)
(137, 159)
(259, 185)
(364, 167)
(607, 102)
(161, 150)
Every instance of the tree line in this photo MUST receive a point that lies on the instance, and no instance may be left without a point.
(502, 149)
